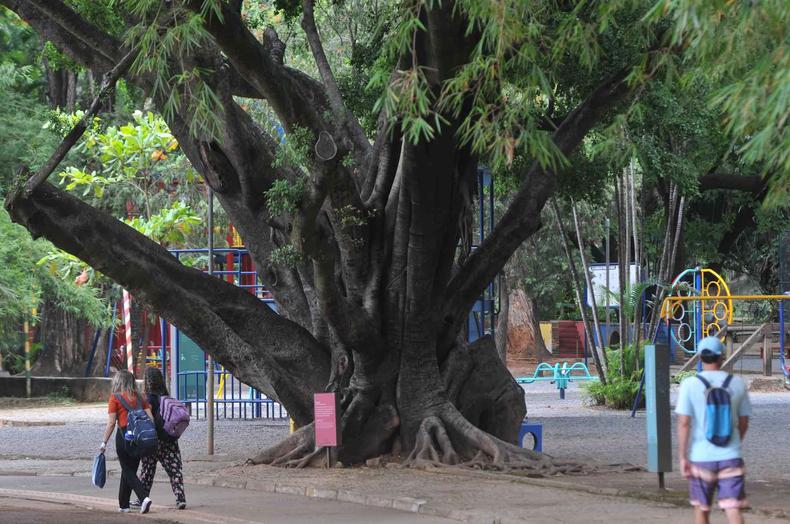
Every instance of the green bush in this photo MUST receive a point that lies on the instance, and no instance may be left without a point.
(620, 389)
(677, 379)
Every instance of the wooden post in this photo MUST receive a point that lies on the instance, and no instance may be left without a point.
(28, 385)
(210, 374)
(768, 356)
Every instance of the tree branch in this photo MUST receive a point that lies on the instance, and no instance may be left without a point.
(522, 217)
(332, 90)
(751, 184)
(56, 22)
(77, 131)
(241, 332)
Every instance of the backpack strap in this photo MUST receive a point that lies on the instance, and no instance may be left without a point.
(705, 382)
(123, 402)
(726, 382)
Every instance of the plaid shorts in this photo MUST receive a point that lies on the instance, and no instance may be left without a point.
(725, 476)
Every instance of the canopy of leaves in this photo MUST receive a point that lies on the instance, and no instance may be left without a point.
(24, 281)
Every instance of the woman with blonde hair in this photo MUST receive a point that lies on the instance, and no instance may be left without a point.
(124, 385)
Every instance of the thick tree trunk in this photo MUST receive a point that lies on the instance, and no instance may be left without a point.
(64, 351)
(524, 338)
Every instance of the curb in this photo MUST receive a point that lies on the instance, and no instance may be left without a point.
(407, 504)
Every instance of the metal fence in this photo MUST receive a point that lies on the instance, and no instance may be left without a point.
(232, 398)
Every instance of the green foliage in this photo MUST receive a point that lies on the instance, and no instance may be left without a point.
(165, 37)
(19, 71)
(744, 47)
(620, 389)
(169, 226)
(286, 256)
(23, 139)
(510, 82)
(133, 162)
(295, 150)
(680, 377)
(62, 396)
(284, 196)
(24, 282)
(617, 393)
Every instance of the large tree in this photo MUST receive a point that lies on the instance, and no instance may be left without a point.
(360, 234)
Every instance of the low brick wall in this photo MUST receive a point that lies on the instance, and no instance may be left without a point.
(83, 389)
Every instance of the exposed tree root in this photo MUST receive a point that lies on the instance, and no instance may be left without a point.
(447, 438)
(296, 451)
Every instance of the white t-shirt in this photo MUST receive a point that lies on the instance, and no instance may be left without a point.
(692, 402)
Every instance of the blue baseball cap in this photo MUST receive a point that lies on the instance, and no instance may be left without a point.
(710, 345)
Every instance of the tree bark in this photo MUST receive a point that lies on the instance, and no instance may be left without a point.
(64, 351)
(524, 338)
(502, 321)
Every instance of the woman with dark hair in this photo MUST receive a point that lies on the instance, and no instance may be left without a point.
(168, 453)
(124, 387)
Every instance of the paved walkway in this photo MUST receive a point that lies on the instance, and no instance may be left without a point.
(206, 504)
(571, 430)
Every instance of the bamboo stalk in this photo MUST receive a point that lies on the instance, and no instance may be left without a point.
(599, 364)
(588, 282)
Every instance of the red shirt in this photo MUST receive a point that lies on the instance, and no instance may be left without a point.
(116, 407)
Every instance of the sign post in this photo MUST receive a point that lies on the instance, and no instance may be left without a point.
(327, 422)
(659, 418)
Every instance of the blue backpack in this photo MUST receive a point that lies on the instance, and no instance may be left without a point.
(718, 412)
(143, 431)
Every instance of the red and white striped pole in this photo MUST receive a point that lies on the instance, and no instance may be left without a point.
(127, 324)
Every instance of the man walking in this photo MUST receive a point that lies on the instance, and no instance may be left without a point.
(713, 409)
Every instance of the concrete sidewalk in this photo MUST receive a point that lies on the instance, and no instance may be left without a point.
(241, 495)
(490, 497)
(25, 495)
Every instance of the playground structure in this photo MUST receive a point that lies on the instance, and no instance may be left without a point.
(700, 304)
(696, 319)
(560, 374)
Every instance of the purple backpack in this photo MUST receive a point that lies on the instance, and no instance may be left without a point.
(175, 416)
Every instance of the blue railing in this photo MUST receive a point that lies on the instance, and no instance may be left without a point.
(237, 400)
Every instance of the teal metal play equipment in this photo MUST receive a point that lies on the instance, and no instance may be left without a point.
(560, 373)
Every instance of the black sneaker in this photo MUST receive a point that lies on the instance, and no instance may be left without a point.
(181, 505)
(135, 503)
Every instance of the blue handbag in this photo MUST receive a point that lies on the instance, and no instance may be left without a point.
(99, 474)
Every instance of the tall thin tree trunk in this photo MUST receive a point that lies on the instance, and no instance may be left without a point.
(588, 282)
(500, 333)
(71, 90)
(637, 325)
(599, 362)
(664, 269)
(678, 228)
(620, 274)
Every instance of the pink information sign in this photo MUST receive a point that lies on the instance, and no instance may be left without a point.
(327, 431)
